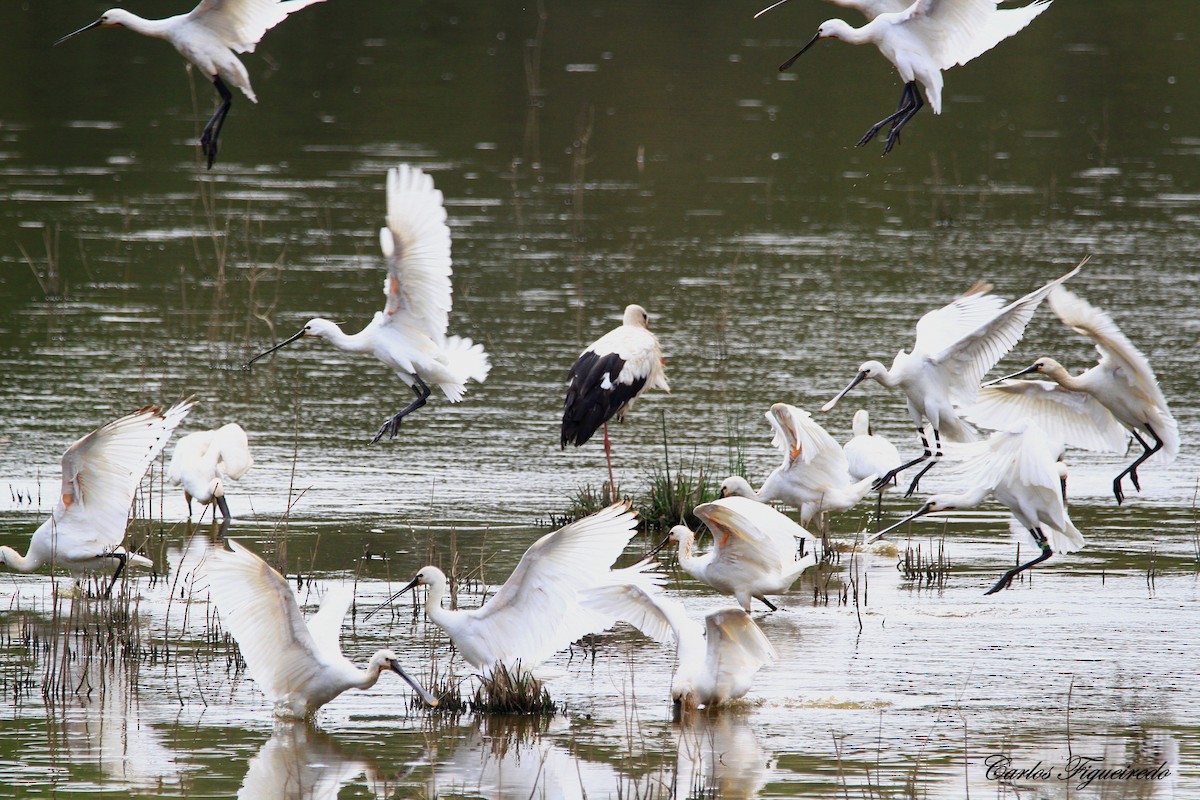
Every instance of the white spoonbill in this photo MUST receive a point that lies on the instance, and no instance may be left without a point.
(868, 8)
(608, 376)
(870, 456)
(714, 663)
(753, 554)
(1019, 468)
(814, 476)
(202, 463)
(921, 41)
(100, 475)
(409, 335)
(956, 346)
(536, 612)
(1094, 409)
(208, 36)
(298, 665)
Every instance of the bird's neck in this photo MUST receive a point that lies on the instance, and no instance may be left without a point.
(158, 28)
(353, 342)
(840, 29)
(433, 607)
(368, 677)
(14, 560)
(970, 498)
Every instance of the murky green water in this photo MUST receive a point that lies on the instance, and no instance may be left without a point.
(631, 152)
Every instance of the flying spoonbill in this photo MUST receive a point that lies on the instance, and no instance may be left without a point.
(409, 335)
(923, 39)
(956, 346)
(814, 476)
(1119, 394)
(537, 612)
(298, 665)
(753, 554)
(714, 663)
(204, 461)
(208, 36)
(608, 376)
(100, 475)
(1020, 468)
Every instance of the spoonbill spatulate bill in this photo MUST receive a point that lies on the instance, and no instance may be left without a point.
(204, 462)
(100, 475)
(536, 612)
(923, 39)
(297, 664)
(714, 663)
(209, 36)
(754, 550)
(1100, 407)
(956, 346)
(1020, 469)
(608, 376)
(409, 335)
(814, 476)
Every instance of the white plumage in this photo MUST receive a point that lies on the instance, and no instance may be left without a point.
(814, 476)
(1020, 469)
(208, 37)
(754, 550)
(955, 347)
(536, 612)
(100, 475)
(298, 666)
(1097, 409)
(714, 663)
(203, 462)
(869, 455)
(923, 39)
(409, 335)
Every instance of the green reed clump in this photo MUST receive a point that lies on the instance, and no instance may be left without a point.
(672, 496)
(513, 691)
(587, 500)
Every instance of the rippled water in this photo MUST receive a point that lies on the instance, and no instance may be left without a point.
(773, 256)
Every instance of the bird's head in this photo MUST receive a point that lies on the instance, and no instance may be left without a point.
(316, 328)
(386, 660)
(868, 369)
(736, 486)
(113, 18)
(1043, 366)
(636, 316)
(829, 29)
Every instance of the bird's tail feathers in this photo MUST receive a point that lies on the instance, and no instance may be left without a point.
(467, 360)
(1064, 541)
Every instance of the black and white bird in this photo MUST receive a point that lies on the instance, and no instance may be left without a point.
(608, 376)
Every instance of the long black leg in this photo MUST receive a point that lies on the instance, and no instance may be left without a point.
(891, 474)
(770, 605)
(1007, 578)
(212, 131)
(122, 558)
(221, 504)
(894, 134)
(1131, 470)
(937, 456)
(392, 426)
(908, 98)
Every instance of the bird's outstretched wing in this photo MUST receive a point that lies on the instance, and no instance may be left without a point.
(814, 458)
(751, 532)
(416, 244)
(661, 618)
(957, 31)
(241, 23)
(1073, 418)
(536, 612)
(735, 646)
(326, 625)
(101, 472)
(257, 606)
(1119, 357)
(965, 345)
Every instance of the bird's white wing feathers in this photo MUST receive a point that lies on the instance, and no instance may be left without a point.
(545, 584)
(736, 647)
(957, 31)
(751, 532)
(965, 344)
(101, 471)
(258, 608)
(661, 618)
(798, 436)
(233, 451)
(241, 23)
(416, 244)
(326, 625)
(1073, 418)
(639, 349)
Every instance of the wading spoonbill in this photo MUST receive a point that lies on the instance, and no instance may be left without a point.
(536, 612)
(814, 476)
(100, 475)
(754, 550)
(1019, 468)
(298, 664)
(204, 461)
(870, 456)
(921, 41)
(608, 376)
(409, 335)
(208, 36)
(714, 662)
(956, 346)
